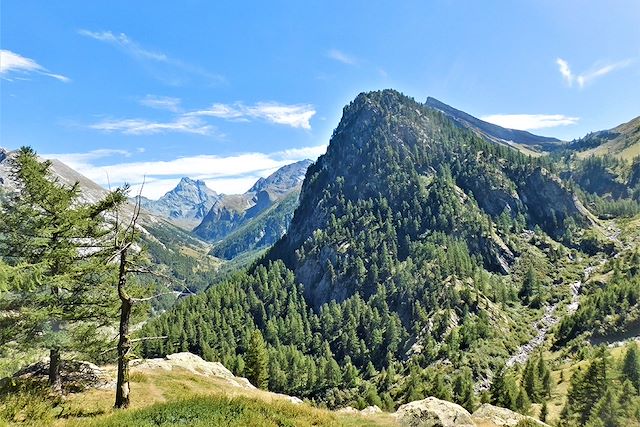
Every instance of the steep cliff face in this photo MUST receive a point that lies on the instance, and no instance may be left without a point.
(430, 176)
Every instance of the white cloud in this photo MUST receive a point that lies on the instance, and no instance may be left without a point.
(124, 42)
(161, 102)
(338, 55)
(303, 153)
(84, 158)
(135, 50)
(225, 174)
(565, 71)
(530, 121)
(182, 124)
(11, 62)
(295, 115)
(587, 77)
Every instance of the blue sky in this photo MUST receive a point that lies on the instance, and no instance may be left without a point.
(229, 91)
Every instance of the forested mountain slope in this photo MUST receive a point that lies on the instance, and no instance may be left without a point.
(623, 141)
(179, 254)
(417, 261)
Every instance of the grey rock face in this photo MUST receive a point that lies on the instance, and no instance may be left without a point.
(186, 204)
(231, 212)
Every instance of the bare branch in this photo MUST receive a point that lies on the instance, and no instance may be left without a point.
(138, 300)
(149, 338)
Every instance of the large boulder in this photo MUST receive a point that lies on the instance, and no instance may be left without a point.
(432, 412)
(501, 417)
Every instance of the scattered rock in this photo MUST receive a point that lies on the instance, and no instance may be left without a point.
(432, 412)
(292, 399)
(76, 375)
(371, 410)
(501, 416)
(347, 410)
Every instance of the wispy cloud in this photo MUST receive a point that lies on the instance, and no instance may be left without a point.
(161, 103)
(182, 124)
(225, 174)
(302, 153)
(296, 115)
(530, 121)
(132, 48)
(89, 156)
(340, 56)
(597, 71)
(11, 62)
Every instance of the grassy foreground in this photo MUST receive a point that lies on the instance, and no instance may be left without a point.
(174, 398)
(223, 411)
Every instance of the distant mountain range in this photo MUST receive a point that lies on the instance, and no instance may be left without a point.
(252, 220)
(185, 205)
(495, 133)
(263, 213)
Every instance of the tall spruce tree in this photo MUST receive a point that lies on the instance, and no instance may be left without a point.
(631, 365)
(57, 241)
(257, 361)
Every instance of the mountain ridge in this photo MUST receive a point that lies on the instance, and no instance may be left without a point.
(493, 132)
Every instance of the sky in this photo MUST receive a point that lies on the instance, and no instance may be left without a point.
(227, 92)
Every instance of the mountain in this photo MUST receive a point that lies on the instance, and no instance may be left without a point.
(261, 231)
(520, 139)
(417, 169)
(605, 167)
(230, 212)
(185, 205)
(182, 255)
(622, 141)
(422, 259)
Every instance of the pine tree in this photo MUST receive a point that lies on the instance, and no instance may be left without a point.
(544, 412)
(523, 404)
(257, 361)
(463, 389)
(631, 365)
(607, 411)
(504, 390)
(48, 232)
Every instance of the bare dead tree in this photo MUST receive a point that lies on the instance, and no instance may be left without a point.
(124, 253)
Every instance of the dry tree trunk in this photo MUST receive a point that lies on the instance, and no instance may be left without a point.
(124, 344)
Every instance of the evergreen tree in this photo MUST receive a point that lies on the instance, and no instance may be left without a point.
(523, 404)
(607, 411)
(544, 412)
(257, 361)
(58, 241)
(631, 365)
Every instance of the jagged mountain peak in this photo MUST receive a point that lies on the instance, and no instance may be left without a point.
(284, 179)
(186, 204)
(270, 202)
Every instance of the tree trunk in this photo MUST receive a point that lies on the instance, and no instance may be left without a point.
(55, 381)
(124, 345)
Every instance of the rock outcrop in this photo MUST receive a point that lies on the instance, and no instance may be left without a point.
(76, 376)
(432, 412)
(501, 417)
(191, 363)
